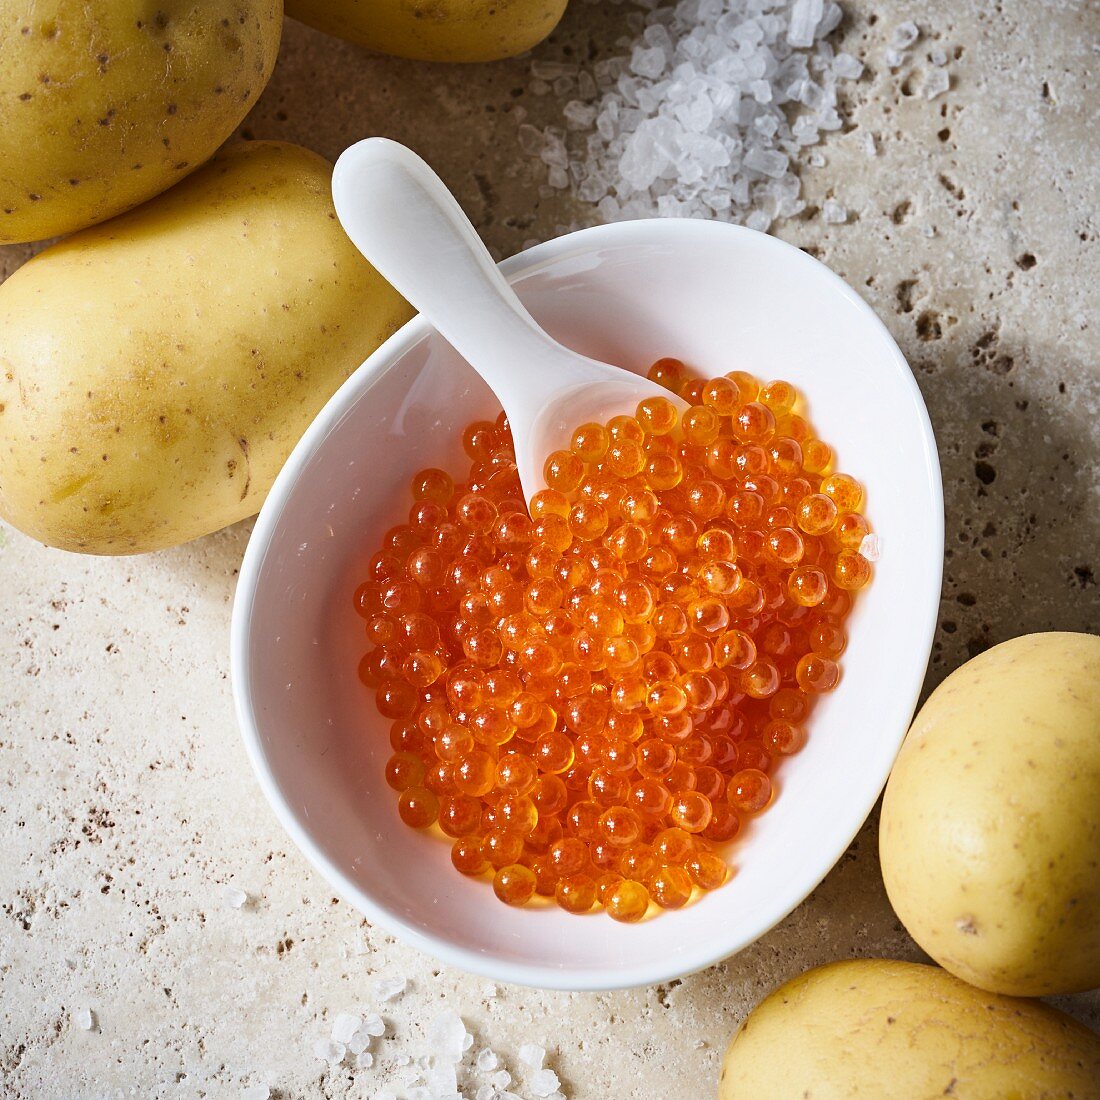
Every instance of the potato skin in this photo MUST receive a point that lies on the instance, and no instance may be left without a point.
(435, 30)
(104, 105)
(156, 371)
(990, 834)
(904, 1031)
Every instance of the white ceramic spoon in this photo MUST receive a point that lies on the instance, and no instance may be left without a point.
(404, 220)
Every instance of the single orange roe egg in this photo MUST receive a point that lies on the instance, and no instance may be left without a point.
(627, 901)
(418, 807)
(514, 885)
(588, 697)
(671, 887)
(749, 791)
(576, 893)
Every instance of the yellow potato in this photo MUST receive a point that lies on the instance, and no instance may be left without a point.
(885, 1030)
(435, 30)
(104, 105)
(990, 835)
(156, 370)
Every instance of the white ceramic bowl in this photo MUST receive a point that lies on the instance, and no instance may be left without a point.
(721, 298)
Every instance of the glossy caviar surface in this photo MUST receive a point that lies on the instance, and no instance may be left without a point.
(590, 697)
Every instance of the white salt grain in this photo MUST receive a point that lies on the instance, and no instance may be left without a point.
(805, 17)
(767, 161)
(330, 1052)
(373, 1024)
(936, 83)
(868, 141)
(937, 55)
(905, 34)
(487, 1061)
(871, 548)
(847, 67)
(359, 1042)
(501, 1079)
(256, 1092)
(544, 1083)
(345, 1026)
(758, 220)
(485, 1092)
(893, 58)
(84, 1019)
(833, 212)
(384, 1094)
(389, 989)
(234, 897)
(364, 1059)
(531, 1054)
(447, 1035)
(442, 1078)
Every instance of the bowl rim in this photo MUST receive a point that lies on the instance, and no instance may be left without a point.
(646, 231)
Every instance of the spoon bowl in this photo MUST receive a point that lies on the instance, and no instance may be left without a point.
(720, 298)
(401, 216)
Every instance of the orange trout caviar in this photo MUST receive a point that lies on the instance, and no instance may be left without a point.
(590, 698)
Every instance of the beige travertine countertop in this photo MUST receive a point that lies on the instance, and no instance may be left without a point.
(126, 802)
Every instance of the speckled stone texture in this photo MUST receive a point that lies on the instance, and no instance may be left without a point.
(127, 803)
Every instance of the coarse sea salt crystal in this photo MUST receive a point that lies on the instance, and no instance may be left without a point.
(389, 989)
(359, 1042)
(847, 67)
(373, 1024)
(487, 1060)
(234, 897)
(833, 212)
(905, 34)
(447, 1035)
(758, 220)
(485, 1092)
(805, 17)
(544, 1083)
(936, 83)
(937, 55)
(345, 1026)
(531, 1054)
(871, 547)
(893, 58)
(501, 1079)
(256, 1092)
(442, 1078)
(84, 1018)
(330, 1052)
(364, 1059)
(867, 140)
(770, 162)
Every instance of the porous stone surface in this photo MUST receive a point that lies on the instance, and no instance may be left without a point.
(128, 812)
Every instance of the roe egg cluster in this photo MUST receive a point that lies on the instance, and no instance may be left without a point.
(590, 697)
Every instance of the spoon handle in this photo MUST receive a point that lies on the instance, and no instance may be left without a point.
(401, 216)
